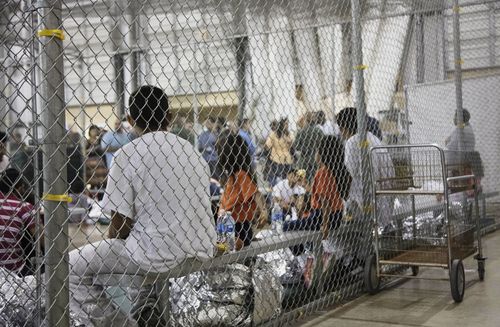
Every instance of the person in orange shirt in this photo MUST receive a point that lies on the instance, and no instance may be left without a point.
(241, 196)
(330, 185)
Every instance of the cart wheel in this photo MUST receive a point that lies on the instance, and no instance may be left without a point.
(457, 280)
(372, 281)
(414, 270)
(480, 269)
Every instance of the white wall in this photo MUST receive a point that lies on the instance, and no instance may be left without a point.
(431, 108)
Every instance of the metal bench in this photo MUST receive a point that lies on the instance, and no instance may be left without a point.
(160, 282)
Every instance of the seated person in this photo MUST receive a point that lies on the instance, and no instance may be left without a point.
(287, 191)
(331, 183)
(159, 202)
(241, 196)
(17, 224)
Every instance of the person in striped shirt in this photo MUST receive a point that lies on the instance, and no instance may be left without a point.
(17, 217)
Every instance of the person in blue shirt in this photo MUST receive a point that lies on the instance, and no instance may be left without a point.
(244, 132)
(113, 141)
(206, 146)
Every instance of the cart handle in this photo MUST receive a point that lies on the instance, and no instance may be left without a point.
(460, 178)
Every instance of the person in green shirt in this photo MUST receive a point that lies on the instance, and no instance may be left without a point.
(306, 144)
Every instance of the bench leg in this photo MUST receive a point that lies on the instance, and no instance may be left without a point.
(163, 293)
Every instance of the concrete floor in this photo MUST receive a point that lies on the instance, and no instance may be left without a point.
(427, 303)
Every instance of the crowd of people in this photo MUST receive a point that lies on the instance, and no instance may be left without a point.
(157, 188)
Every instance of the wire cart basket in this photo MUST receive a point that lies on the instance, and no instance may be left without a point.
(441, 235)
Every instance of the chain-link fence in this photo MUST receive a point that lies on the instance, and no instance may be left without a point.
(200, 163)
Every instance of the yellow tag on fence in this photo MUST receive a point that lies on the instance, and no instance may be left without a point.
(52, 33)
(57, 198)
(360, 67)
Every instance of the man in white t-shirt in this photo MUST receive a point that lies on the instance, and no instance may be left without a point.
(285, 190)
(158, 197)
(382, 164)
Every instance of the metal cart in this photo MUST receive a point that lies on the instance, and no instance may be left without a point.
(439, 231)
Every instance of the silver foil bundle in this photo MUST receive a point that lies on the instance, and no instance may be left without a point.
(218, 296)
(279, 261)
(17, 299)
(288, 267)
(18, 305)
(268, 292)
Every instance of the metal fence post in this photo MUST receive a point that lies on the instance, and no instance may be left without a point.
(241, 43)
(458, 72)
(359, 82)
(135, 46)
(419, 36)
(117, 59)
(54, 162)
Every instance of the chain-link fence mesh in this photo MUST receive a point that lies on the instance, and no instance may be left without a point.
(200, 163)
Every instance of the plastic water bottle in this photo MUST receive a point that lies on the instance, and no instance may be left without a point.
(229, 226)
(221, 230)
(277, 219)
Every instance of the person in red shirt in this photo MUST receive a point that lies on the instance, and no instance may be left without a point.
(17, 223)
(330, 185)
(241, 196)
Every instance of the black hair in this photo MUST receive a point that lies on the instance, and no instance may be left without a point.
(10, 179)
(274, 125)
(212, 119)
(320, 117)
(221, 121)
(331, 152)
(347, 119)
(3, 137)
(373, 126)
(242, 121)
(149, 108)
(94, 127)
(233, 154)
(281, 128)
(465, 115)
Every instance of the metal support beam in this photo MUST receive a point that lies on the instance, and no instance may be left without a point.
(117, 59)
(242, 55)
(51, 93)
(358, 69)
(4, 73)
(136, 55)
(492, 34)
(119, 81)
(419, 37)
(458, 71)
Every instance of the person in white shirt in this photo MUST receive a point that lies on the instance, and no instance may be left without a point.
(382, 164)
(160, 209)
(285, 191)
(327, 126)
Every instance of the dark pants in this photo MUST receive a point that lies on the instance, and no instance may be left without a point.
(215, 171)
(277, 171)
(244, 232)
(312, 222)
